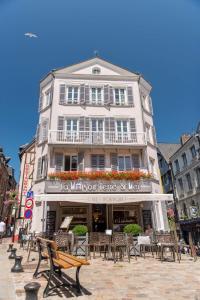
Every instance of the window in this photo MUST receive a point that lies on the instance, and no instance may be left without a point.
(97, 124)
(96, 71)
(193, 151)
(71, 163)
(42, 167)
(177, 167)
(152, 166)
(124, 163)
(48, 98)
(96, 96)
(189, 181)
(122, 126)
(180, 182)
(71, 125)
(119, 96)
(98, 161)
(184, 157)
(197, 170)
(43, 131)
(72, 95)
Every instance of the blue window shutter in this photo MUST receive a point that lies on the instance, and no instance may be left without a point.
(135, 161)
(59, 161)
(130, 96)
(113, 161)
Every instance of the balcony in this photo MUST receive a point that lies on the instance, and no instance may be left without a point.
(96, 138)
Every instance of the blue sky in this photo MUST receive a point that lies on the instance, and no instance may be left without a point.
(160, 39)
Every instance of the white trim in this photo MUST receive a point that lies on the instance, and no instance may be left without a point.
(104, 198)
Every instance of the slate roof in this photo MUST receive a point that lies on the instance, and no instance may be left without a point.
(167, 150)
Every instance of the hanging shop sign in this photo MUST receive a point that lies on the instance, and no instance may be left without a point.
(97, 186)
(28, 213)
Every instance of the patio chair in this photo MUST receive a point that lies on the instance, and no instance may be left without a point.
(119, 246)
(63, 241)
(131, 246)
(166, 242)
(145, 245)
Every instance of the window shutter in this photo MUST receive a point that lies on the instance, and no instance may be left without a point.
(38, 133)
(62, 99)
(58, 161)
(130, 96)
(101, 162)
(94, 161)
(87, 124)
(45, 130)
(106, 94)
(150, 105)
(82, 93)
(136, 161)
(39, 168)
(154, 135)
(81, 124)
(132, 125)
(114, 161)
(107, 126)
(41, 99)
(111, 95)
(87, 95)
(81, 161)
(52, 89)
(45, 166)
(60, 123)
(112, 124)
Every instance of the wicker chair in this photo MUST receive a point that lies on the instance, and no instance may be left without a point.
(166, 241)
(119, 246)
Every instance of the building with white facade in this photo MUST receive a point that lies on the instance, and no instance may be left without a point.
(186, 170)
(96, 117)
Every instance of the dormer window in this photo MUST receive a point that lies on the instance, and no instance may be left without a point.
(96, 71)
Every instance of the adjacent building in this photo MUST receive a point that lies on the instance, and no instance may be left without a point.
(165, 151)
(7, 183)
(186, 171)
(96, 118)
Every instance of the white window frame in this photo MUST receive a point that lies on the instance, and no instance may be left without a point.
(122, 120)
(72, 100)
(47, 98)
(70, 155)
(122, 102)
(71, 126)
(124, 162)
(97, 120)
(96, 101)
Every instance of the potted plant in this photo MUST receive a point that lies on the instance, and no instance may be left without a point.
(81, 240)
(134, 229)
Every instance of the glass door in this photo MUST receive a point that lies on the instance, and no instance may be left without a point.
(122, 130)
(97, 131)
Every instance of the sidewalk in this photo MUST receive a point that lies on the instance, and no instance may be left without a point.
(7, 287)
(147, 279)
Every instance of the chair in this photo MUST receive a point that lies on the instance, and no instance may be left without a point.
(119, 246)
(63, 241)
(145, 245)
(164, 242)
(131, 246)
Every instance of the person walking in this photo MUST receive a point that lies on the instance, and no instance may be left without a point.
(2, 229)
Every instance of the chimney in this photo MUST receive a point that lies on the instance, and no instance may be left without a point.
(184, 138)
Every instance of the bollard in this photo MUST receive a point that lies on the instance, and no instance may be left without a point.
(10, 247)
(31, 290)
(12, 254)
(18, 265)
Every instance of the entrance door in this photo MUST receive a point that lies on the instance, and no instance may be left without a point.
(99, 217)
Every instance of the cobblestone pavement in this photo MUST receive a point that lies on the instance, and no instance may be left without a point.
(141, 279)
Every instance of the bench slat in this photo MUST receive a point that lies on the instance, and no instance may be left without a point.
(82, 261)
(69, 260)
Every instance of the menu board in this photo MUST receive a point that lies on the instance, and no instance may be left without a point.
(50, 223)
(147, 220)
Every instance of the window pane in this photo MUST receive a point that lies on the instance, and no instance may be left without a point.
(121, 163)
(75, 94)
(67, 163)
(74, 163)
(69, 125)
(125, 129)
(94, 125)
(74, 125)
(119, 126)
(128, 162)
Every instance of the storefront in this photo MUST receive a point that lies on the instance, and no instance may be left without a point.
(102, 210)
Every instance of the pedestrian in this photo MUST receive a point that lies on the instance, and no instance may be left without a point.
(2, 229)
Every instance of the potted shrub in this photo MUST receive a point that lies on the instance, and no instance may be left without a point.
(134, 229)
(81, 240)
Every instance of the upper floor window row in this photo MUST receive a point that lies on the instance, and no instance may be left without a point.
(91, 95)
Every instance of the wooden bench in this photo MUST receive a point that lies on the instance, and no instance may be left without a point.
(58, 260)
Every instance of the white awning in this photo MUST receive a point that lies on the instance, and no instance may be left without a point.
(103, 198)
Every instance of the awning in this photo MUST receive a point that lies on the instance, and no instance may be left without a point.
(103, 198)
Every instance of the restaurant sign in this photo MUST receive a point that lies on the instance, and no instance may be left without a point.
(98, 186)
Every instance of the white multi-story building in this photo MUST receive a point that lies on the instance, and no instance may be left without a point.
(96, 116)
